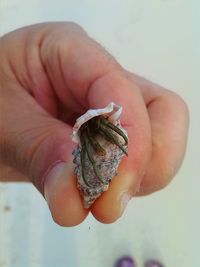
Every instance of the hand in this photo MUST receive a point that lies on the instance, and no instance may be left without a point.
(50, 74)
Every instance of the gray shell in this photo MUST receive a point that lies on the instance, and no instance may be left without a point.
(107, 166)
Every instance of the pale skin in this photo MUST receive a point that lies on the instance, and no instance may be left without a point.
(50, 74)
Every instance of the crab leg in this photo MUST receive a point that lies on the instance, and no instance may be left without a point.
(97, 147)
(83, 154)
(89, 153)
(114, 128)
(110, 137)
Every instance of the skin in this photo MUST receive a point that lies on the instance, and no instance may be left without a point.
(50, 74)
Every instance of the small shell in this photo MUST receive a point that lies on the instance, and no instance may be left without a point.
(112, 110)
(107, 165)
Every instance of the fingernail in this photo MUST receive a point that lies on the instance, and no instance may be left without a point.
(125, 198)
(127, 184)
(53, 178)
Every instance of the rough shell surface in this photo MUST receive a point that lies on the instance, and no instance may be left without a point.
(107, 165)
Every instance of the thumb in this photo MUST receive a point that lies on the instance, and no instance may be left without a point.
(40, 146)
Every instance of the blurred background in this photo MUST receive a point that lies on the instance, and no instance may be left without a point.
(160, 40)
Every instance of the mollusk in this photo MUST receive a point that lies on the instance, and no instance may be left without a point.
(101, 145)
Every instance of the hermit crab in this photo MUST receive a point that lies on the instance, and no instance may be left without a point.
(102, 143)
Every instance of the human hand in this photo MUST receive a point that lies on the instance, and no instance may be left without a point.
(50, 74)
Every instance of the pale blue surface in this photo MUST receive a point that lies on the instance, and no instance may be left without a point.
(158, 39)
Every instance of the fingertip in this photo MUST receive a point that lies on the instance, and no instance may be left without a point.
(67, 211)
(112, 203)
(62, 196)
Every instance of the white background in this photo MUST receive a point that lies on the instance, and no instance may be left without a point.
(158, 39)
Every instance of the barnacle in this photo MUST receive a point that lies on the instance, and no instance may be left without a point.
(89, 133)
